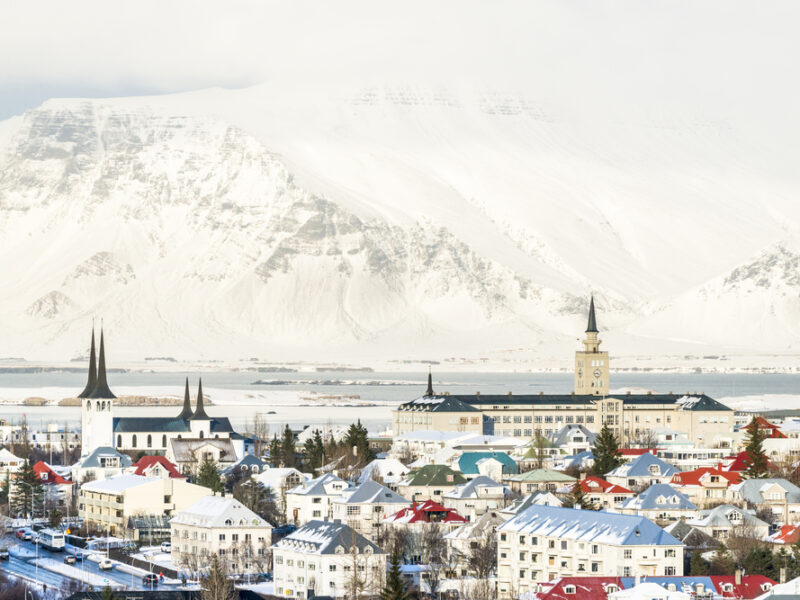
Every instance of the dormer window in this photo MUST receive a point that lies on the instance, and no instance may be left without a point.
(727, 587)
(569, 589)
(655, 470)
(228, 522)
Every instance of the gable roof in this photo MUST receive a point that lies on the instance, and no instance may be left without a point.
(274, 477)
(48, 476)
(640, 467)
(324, 537)
(248, 461)
(93, 459)
(117, 483)
(183, 449)
(216, 511)
(146, 463)
(390, 470)
(564, 436)
(468, 462)
(536, 498)
(720, 516)
(425, 512)
(742, 461)
(430, 475)
(316, 486)
(772, 431)
(470, 489)
(480, 527)
(698, 476)
(691, 536)
(541, 475)
(589, 526)
(752, 490)
(596, 485)
(660, 496)
(150, 424)
(787, 534)
(370, 492)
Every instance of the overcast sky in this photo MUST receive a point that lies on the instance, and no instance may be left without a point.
(734, 50)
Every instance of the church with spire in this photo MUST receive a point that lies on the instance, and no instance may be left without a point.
(152, 435)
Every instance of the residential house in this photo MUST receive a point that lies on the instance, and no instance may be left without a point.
(427, 512)
(280, 480)
(430, 482)
(363, 507)
(644, 470)
(389, 471)
(9, 464)
(312, 499)
(740, 462)
(538, 480)
(189, 453)
(245, 467)
(779, 495)
(660, 502)
(490, 464)
(600, 493)
(705, 486)
(722, 521)
(155, 466)
(221, 526)
(786, 534)
(477, 497)
(325, 558)
(543, 543)
(574, 438)
(534, 499)
(58, 489)
(101, 463)
(691, 537)
(464, 539)
(108, 503)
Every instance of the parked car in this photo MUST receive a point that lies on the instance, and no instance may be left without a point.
(106, 564)
(3, 553)
(69, 559)
(150, 579)
(166, 547)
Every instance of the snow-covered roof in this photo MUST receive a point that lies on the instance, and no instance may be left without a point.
(117, 484)
(752, 490)
(660, 496)
(188, 449)
(536, 498)
(641, 467)
(390, 470)
(218, 511)
(488, 521)
(93, 459)
(564, 436)
(429, 435)
(370, 492)
(316, 487)
(726, 515)
(7, 456)
(325, 537)
(589, 526)
(274, 478)
(472, 489)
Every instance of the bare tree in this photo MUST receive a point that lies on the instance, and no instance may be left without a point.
(646, 438)
(216, 585)
(483, 557)
(741, 540)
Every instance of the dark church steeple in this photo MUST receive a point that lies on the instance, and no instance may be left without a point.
(186, 413)
(101, 389)
(591, 327)
(199, 411)
(92, 372)
(429, 391)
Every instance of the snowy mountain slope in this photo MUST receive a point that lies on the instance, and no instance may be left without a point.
(379, 222)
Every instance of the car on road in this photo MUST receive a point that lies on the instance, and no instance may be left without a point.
(150, 579)
(166, 547)
(4, 553)
(69, 559)
(106, 565)
(24, 534)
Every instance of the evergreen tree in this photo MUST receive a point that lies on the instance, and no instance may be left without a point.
(721, 562)
(756, 459)
(259, 499)
(578, 499)
(5, 490)
(395, 588)
(275, 451)
(27, 491)
(697, 566)
(288, 450)
(107, 594)
(314, 450)
(358, 437)
(605, 451)
(208, 475)
(760, 560)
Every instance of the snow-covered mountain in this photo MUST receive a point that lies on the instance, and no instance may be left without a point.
(385, 222)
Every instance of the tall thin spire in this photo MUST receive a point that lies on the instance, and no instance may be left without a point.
(186, 413)
(92, 371)
(592, 326)
(199, 411)
(101, 389)
(429, 391)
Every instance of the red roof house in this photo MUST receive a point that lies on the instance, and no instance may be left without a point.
(48, 476)
(156, 466)
(426, 512)
(787, 534)
(598, 485)
(771, 431)
(740, 462)
(699, 476)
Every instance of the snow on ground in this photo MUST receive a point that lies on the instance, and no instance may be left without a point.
(763, 402)
(156, 556)
(265, 588)
(75, 573)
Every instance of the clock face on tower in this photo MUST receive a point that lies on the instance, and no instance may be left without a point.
(597, 372)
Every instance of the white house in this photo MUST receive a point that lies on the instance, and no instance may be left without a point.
(642, 471)
(101, 463)
(660, 502)
(363, 507)
(476, 497)
(9, 464)
(223, 526)
(313, 499)
(280, 480)
(542, 543)
(330, 559)
(389, 470)
(720, 521)
(189, 453)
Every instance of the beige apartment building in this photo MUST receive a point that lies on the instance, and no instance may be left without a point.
(222, 526)
(109, 503)
(705, 421)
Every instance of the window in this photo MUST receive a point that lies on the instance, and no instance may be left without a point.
(221, 537)
(331, 568)
(353, 510)
(569, 589)
(596, 569)
(669, 552)
(563, 544)
(164, 441)
(628, 554)
(502, 537)
(669, 571)
(133, 441)
(149, 441)
(626, 571)
(234, 537)
(119, 441)
(317, 513)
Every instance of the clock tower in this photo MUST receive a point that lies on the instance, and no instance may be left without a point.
(591, 365)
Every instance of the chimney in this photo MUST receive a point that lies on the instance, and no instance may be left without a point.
(783, 575)
(737, 576)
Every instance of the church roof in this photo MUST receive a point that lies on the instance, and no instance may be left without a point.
(92, 380)
(149, 424)
(186, 413)
(101, 389)
(199, 411)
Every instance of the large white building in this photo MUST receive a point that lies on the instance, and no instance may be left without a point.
(314, 499)
(543, 543)
(325, 558)
(223, 526)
